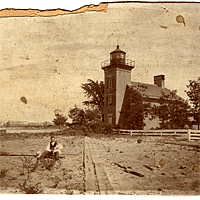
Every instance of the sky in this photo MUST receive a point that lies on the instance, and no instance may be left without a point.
(46, 59)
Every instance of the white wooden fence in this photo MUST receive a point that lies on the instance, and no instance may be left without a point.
(191, 134)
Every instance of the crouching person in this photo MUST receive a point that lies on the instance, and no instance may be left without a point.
(53, 149)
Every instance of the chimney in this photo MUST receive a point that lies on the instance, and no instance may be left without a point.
(159, 81)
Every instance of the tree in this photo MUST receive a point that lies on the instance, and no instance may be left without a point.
(92, 115)
(135, 109)
(85, 118)
(77, 115)
(172, 111)
(94, 91)
(194, 98)
(59, 119)
(94, 119)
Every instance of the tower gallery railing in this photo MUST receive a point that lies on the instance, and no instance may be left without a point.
(118, 61)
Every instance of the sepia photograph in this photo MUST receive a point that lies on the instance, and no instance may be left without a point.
(100, 99)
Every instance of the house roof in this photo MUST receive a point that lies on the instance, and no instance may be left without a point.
(153, 91)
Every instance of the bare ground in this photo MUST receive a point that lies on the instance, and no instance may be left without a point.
(134, 165)
(150, 165)
(66, 176)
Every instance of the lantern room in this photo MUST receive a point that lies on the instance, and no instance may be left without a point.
(117, 56)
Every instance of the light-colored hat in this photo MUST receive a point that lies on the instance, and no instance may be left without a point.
(38, 154)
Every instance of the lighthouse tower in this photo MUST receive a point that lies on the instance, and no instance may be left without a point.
(117, 74)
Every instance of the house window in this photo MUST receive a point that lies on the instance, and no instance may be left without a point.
(110, 81)
(110, 100)
(110, 119)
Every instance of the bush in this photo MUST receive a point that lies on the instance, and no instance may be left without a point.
(29, 188)
(27, 164)
(3, 173)
(107, 128)
(47, 163)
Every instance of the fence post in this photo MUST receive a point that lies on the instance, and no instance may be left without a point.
(161, 133)
(189, 136)
(131, 133)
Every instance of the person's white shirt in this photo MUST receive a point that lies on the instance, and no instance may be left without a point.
(57, 148)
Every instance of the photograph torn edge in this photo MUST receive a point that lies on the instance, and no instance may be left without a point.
(12, 12)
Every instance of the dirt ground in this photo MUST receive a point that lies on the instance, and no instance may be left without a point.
(66, 176)
(134, 165)
(150, 165)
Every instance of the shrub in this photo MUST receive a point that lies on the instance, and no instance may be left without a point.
(47, 163)
(107, 128)
(3, 173)
(31, 188)
(27, 163)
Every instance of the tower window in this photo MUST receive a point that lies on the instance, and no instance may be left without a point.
(110, 81)
(110, 100)
(109, 118)
(132, 106)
